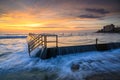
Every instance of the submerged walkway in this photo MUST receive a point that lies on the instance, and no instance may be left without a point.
(41, 40)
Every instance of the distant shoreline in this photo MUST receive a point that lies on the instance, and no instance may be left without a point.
(107, 32)
(109, 29)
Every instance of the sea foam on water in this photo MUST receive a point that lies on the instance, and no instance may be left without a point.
(14, 58)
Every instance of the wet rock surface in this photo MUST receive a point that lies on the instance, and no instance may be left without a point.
(104, 76)
(75, 67)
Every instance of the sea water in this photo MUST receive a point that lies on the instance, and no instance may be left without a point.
(15, 62)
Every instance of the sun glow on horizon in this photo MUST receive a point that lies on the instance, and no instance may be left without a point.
(13, 22)
(46, 16)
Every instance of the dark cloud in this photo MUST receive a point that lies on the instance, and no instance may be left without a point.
(1, 11)
(7, 6)
(63, 8)
(89, 16)
(100, 11)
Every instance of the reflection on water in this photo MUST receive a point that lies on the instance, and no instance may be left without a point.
(87, 38)
(11, 45)
(8, 45)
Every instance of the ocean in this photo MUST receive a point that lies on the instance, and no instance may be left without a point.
(15, 62)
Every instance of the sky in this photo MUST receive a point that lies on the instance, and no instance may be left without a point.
(24, 16)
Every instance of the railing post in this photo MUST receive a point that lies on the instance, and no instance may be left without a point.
(42, 43)
(96, 41)
(56, 40)
(45, 41)
(38, 40)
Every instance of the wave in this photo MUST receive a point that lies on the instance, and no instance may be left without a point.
(90, 63)
(14, 58)
(11, 37)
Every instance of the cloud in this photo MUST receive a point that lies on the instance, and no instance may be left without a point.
(99, 11)
(1, 11)
(57, 14)
(89, 16)
(50, 27)
(79, 27)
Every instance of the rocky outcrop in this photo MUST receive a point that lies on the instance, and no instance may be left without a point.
(75, 67)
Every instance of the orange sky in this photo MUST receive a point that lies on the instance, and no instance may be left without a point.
(21, 17)
(26, 22)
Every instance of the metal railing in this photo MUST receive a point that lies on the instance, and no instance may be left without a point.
(36, 40)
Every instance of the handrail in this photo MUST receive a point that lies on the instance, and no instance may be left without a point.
(36, 40)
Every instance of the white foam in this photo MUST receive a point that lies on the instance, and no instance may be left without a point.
(90, 62)
(35, 51)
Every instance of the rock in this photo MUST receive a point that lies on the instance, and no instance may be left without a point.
(75, 67)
